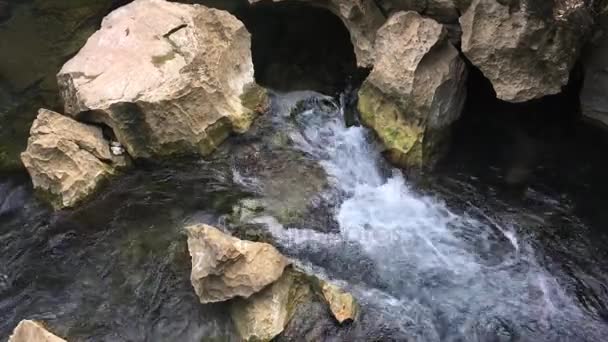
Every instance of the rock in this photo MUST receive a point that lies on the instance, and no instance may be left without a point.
(444, 11)
(525, 48)
(224, 267)
(342, 304)
(594, 94)
(415, 91)
(264, 315)
(67, 160)
(362, 18)
(30, 331)
(36, 38)
(168, 78)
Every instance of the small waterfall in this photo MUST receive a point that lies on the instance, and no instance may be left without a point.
(430, 266)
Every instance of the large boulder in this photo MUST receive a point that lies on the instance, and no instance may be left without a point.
(31, 331)
(36, 38)
(415, 91)
(224, 267)
(444, 11)
(362, 18)
(168, 78)
(525, 48)
(594, 94)
(67, 160)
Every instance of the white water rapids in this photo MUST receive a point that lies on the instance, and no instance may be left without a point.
(439, 275)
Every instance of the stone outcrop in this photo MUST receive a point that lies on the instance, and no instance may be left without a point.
(67, 160)
(594, 94)
(36, 39)
(415, 91)
(341, 303)
(525, 48)
(362, 18)
(30, 331)
(264, 315)
(224, 267)
(168, 78)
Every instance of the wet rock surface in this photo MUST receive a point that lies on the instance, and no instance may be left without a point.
(594, 102)
(415, 91)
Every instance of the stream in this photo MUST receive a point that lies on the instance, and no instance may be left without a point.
(453, 260)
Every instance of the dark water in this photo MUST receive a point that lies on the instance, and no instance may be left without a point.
(462, 258)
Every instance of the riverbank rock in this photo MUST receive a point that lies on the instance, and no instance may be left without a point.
(168, 78)
(265, 315)
(525, 48)
(444, 11)
(67, 160)
(415, 91)
(36, 39)
(224, 267)
(594, 94)
(362, 18)
(30, 331)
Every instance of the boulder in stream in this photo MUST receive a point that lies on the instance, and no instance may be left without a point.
(525, 48)
(67, 160)
(594, 94)
(31, 331)
(224, 267)
(168, 78)
(342, 304)
(415, 91)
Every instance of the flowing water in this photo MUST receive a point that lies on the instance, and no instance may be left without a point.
(451, 262)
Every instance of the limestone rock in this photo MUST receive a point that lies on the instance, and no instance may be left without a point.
(67, 160)
(525, 48)
(415, 91)
(30, 331)
(224, 267)
(264, 315)
(594, 94)
(168, 78)
(362, 18)
(342, 304)
(444, 11)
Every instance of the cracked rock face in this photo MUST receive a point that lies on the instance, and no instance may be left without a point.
(224, 267)
(525, 48)
(415, 91)
(67, 160)
(168, 78)
(30, 331)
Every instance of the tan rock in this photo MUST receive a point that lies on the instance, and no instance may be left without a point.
(265, 315)
(342, 304)
(30, 331)
(168, 78)
(67, 160)
(526, 51)
(224, 267)
(362, 18)
(415, 91)
(444, 11)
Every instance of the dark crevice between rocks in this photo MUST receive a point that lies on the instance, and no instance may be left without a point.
(540, 144)
(296, 46)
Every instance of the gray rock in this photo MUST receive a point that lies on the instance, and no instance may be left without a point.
(594, 94)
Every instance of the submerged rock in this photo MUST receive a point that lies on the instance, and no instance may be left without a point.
(594, 94)
(362, 18)
(168, 78)
(30, 331)
(525, 48)
(415, 91)
(224, 267)
(67, 160)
